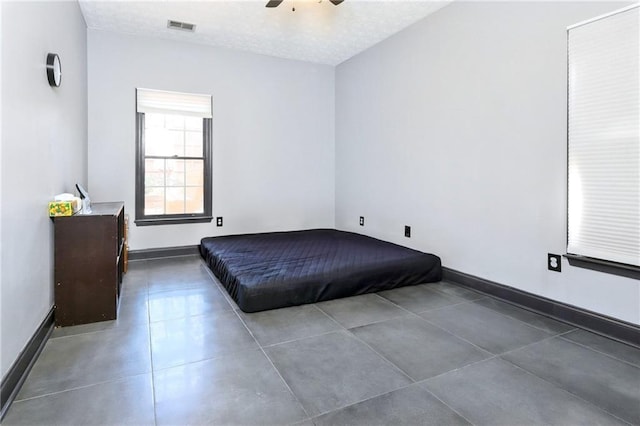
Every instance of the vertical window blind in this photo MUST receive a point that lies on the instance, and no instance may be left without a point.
(603, 137)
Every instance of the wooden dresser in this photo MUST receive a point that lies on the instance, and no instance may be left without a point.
(89, 263)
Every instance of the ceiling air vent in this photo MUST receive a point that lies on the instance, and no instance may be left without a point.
(177, 25)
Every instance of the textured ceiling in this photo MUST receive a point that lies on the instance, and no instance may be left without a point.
(316, 32)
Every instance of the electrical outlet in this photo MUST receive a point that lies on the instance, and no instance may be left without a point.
(219, 221)
(407, 231)
(554, 262)
(361, 220)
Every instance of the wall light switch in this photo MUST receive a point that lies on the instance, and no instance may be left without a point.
(219, 221)
(361, 220)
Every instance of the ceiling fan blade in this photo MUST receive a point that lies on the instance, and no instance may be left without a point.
(336, 2)
(273, 3)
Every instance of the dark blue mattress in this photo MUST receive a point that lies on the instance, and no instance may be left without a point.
(279, 269)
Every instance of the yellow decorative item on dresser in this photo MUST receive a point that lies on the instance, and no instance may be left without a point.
(60, 208)
(64, 205)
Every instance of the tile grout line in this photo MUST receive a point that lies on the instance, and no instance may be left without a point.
(403, 315)
(97, 331)
(383, 357)
(441, 328)
(364, 400)
(558, 336)
(499, 356)
(440, 308)
(534, 343)
(196, 283)
(329, 316)
(193, 286)
(428, 310)
(493, 356)
(459, 301)
(445, 404)
(369, 323)
(413, 314)
(369, 346)
(530, 312)
(153, 374)
(324, 333)
(600, 352)
(444, 373)
(557, 386)
(484, 295)
(455, 335)
(550, 335)
(203, 314)
(445, 293)
(213, 358)
(308, 417)
(518, 320)
(271, 345)
(117, 379)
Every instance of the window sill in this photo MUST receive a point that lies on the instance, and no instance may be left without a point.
(173, 220)
(605, 266)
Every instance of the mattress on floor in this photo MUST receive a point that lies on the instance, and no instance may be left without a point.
(280, 269)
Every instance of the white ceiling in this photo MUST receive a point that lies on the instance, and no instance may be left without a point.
(316, 32)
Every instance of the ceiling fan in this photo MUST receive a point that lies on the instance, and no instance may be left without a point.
(276, 3)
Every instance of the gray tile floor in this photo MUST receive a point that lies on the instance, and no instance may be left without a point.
(182, 353)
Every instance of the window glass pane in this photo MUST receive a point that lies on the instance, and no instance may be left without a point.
(174, 200)
(176, 144)
(154, 121)
(193, 143)
(193, 123)
(173, 121)
(156, 141)
(175, 172)
(153, 201)
(194, 172)
(194, 200)
(153, 172)
(164, 135)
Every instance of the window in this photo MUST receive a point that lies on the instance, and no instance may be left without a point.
(603, 140)
(173, 164)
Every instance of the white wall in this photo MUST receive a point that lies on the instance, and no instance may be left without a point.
(457, 127)
(273, 133)
(1, 356)
(44, 133)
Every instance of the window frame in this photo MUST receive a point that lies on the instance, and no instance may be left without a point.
(171, 219)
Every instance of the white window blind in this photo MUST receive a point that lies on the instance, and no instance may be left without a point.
(174, 103)
(603, 137)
